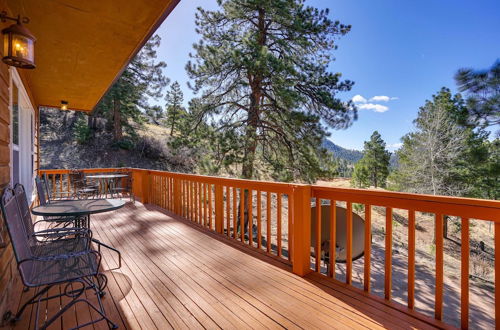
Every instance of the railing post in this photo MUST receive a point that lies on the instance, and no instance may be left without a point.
(219, 216)
(301, 222)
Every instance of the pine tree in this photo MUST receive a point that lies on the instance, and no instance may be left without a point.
(262, 70)
(175, 111)
(429, 158)
(482, 88)
(373, 168)
(128, 97)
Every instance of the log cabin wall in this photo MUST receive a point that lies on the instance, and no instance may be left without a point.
(9, 278)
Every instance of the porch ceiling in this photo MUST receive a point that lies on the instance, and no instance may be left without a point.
(83, 46)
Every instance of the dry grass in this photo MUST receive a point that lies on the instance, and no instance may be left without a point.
(481, 263)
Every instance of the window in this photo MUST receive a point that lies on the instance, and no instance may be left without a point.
(22, 135)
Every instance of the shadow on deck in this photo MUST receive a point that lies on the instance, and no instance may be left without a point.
(178, 275)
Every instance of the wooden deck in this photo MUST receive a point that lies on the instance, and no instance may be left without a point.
(176, 275)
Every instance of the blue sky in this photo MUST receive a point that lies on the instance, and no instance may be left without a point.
(403, 49)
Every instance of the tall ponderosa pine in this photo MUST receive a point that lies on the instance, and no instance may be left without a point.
(128, 97)
(175, 110)
(373, 168)
(482, 88)
(262, 68)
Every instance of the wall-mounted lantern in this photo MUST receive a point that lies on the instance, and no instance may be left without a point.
(18, 43)
(64, 105)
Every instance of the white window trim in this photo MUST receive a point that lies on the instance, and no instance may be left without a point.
(15, 78)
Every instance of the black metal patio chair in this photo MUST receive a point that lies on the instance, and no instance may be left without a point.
(43, 199)
(51, 193)
(50, 240)
(77, 270)
(123, 186)
(81, 188)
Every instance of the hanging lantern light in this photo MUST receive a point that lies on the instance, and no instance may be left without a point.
(18, 43)
(64, 105)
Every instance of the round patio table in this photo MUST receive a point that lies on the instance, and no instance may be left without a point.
(82, 209)
(107, 179)
(78, 207)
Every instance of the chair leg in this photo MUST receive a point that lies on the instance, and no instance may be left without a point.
(31, 301)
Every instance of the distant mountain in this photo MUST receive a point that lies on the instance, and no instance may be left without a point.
(351, 156)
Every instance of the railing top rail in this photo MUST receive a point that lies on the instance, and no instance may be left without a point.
(410, 196)
(458, 206)
(240, 183)
(461, 206)
(87, 170)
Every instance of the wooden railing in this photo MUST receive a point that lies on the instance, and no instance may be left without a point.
(275, 218)
(255, 213)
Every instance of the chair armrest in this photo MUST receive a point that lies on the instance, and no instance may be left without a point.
(60, 256)
(61, 232)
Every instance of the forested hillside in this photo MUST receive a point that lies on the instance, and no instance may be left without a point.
(352, 156)
(61, 148)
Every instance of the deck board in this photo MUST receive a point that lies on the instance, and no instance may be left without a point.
(177, 275)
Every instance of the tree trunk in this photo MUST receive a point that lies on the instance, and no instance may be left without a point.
(65, 118)
(173, 124)
(117, 121)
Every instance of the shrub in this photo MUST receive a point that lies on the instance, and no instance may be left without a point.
(125, 143)
(82, 131)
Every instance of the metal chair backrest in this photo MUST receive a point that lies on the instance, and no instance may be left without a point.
(46, 185)
(15, 226)
(24, 209)
(77, 179)
(40, 190)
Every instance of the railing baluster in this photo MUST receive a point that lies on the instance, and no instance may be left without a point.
(200, 206)
(219, 209)
(205, 206)
(290, 227)
(317, 234)
(348, 276)
(228, 211)
(250, 216)
(268, 220)
(464, 294)
(53, 184)
(183, 198)
(210, 207)
(242, 214)
(278, 220)
(235, 208)
(259, 216)
(333, 237)
(174, 188)
(388, 253)
(411, 259)
(368, 246)
(191, 200)
(438, 309)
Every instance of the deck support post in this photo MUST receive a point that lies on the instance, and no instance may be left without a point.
(219, 204)
(301, 222)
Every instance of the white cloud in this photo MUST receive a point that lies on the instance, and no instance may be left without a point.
(380, 98)
(374, 107)
(358, 99)
(383, 98)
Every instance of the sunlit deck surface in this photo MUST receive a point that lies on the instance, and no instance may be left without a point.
(176, 275)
